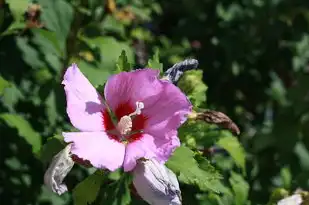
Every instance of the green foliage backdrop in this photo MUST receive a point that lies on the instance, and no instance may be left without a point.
(253, 58)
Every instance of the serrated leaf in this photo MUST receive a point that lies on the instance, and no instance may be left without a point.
(240, 188)
(183, 163)
(3, 84)
(123, 64)
(24, 129)
(50, 149)
(234, 148)
(87, 191)
(193, 86)
(154, 62)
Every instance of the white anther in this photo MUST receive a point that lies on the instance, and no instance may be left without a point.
(139, 107)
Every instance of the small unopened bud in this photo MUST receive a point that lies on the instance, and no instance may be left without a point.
(295, 199)
(58, 169)
(156, 184)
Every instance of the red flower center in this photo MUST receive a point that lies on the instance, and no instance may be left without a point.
(138, 121)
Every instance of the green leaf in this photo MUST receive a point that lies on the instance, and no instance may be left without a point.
(18, 8)
(96, 75)
(24, 129)
(50, 37)
(29, 54)
(240, 188)
(11, 95)
(57, 17)
(51, 109)
(192, 84)
(109, 49)
(87, 191)
(277, 195)
(14, 28)
(123, 64)
(118, 192)
(286, 177)
(234, 148)
(111, 24)
(3, 84)
(154, 62)
(183, 163)
(50, 149)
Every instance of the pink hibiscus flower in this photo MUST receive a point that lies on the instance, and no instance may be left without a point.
(148, 111)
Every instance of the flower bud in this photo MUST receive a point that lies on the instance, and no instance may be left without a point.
(58, 169)
(295, 199)
(156, 184)
(174, 73)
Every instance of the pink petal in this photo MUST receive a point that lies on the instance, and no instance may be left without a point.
(83, 102)
(169, 112)
(142, 148)
(98, 148)
(128, 87)
(166, 146)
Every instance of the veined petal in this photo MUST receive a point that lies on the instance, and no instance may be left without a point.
(83, 102)
(98, 148)
(142, 148)
(139, 85)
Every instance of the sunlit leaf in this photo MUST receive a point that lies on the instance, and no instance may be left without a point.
(234, 148)
(18, 8)
(188, 170)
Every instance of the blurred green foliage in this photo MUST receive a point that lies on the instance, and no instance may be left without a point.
(253, 58)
